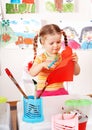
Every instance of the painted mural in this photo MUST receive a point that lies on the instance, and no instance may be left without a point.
(19, 32)
(79, 34)
(30, 6)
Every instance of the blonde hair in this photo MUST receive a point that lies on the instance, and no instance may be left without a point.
(49, 29)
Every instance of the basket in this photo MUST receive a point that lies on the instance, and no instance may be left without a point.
(83, 108)
(32, 110)
(65, 122)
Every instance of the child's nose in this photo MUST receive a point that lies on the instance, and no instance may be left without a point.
(55, 44)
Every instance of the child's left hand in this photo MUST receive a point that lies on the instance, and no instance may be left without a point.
(74, 57)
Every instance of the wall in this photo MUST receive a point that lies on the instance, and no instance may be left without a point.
(14, 59)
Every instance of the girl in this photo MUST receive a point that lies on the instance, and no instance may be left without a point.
(50, 38)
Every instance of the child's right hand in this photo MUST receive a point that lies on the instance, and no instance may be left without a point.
(47, 64)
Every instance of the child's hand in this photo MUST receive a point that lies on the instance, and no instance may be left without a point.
(76, 66)
(47, 64)
(75, 57)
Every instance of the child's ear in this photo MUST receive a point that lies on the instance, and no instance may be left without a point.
(41, 41)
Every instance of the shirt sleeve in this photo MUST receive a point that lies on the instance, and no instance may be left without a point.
(39, 59)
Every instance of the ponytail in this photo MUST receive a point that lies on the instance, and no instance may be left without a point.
(35, 52)
(35, 46)
(65, 38)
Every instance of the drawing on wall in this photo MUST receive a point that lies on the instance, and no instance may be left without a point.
(71, 36)
(16, 6)
(86, 38)
(60, 5)
(28, 29)
(19, 32)
(79, 34)
(7, 34)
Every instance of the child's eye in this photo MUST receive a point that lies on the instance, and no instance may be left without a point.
(51, 43)
(58, 41)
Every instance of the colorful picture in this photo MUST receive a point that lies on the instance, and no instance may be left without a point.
(30, 6)
(60, 5)
(19, 32)
(79, 34)
(72, 35)
(7, 34)
(22, 31)
(15, 6)
(86, 37)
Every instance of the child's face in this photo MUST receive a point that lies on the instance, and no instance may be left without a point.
(52, 43)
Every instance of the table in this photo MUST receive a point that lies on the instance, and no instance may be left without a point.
(51, 105)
